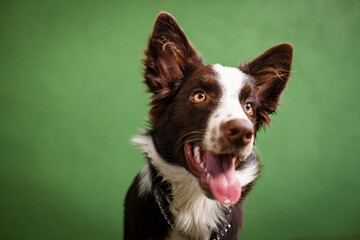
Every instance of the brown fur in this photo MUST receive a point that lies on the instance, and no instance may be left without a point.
(271, 71)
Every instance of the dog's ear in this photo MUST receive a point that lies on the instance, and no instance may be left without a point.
(271, 71)
(167, 56)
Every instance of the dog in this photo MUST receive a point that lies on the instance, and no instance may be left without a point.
(199, 147)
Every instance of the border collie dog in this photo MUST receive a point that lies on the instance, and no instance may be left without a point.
(203, 122)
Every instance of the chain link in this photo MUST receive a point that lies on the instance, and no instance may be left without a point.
(184, 235)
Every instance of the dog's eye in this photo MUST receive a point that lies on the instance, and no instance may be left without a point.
(198, 97)
(248, 108)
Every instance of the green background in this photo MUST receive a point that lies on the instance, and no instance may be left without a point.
(71, 97)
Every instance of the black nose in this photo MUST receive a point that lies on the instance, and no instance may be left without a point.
(239, 131)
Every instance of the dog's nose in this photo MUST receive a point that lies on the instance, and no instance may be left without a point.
(238, 131)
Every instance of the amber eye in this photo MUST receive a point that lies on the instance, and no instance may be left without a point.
(198, 97)
(248, 108)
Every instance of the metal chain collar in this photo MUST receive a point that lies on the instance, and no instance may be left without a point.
(184, 235)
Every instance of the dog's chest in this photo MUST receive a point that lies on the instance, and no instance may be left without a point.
(195, 214)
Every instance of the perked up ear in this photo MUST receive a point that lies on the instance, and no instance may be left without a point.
(167, 56)
(271, 71)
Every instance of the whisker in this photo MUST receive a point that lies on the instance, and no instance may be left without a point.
(190, 133)
(197, 140)
(193, 136)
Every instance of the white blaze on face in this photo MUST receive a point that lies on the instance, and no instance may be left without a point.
(231, 81)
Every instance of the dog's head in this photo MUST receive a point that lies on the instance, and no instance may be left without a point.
(205, 117)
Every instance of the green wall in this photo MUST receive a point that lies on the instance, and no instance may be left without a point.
(71, 97)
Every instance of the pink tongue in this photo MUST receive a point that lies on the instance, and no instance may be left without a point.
(224, 184)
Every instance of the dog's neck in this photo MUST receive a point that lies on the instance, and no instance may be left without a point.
(194, 213)
(162, 197)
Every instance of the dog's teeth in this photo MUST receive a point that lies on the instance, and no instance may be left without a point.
(197, 154)
(196, 149)
(202, 165)
(205, 169)
(197, 158)
(207, 177)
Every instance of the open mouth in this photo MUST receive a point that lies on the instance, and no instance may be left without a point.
(216, 173)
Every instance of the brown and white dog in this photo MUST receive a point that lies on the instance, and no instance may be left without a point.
(203, 122)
